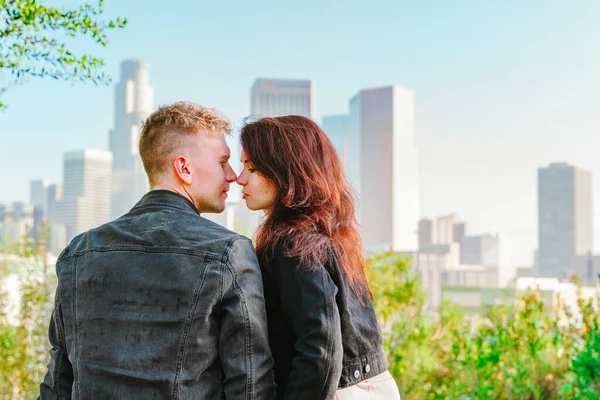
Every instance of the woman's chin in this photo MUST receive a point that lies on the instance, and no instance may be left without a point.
(249, 206)
(253, 207)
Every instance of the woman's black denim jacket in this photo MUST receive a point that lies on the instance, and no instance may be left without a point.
(322, 335)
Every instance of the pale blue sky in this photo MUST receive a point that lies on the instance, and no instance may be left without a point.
(502, 87)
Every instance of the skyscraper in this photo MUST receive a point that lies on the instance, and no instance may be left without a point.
(86, 191)
(57, 237)
(444, 229)
(441, 231)
(564, 217)
(353, 143)
(38, 198)
(480, 250)
(134, 102)
(336, 128)
(382, 121)
(276, 97)
(55, 192)
(38, 194)
(425, 232)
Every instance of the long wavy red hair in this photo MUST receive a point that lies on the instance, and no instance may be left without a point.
(314, 211)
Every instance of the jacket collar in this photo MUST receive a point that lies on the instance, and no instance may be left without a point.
(167, 198)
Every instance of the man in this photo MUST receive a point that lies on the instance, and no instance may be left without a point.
(162, 303)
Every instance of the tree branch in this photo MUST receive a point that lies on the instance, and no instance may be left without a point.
(30, 44)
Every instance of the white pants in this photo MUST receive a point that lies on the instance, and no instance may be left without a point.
(379, 387)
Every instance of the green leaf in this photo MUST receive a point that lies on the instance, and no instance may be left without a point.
(39, 34)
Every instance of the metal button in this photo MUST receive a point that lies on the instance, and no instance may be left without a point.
(356, 374)
(367, 368)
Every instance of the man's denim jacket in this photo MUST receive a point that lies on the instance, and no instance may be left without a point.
(159, 304)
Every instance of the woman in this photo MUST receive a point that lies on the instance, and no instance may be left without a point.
(323, 331)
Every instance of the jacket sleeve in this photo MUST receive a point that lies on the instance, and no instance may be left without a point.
(308, 301)
(58, 381)
(244, 343)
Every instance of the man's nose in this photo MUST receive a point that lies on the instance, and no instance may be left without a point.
(231, 176)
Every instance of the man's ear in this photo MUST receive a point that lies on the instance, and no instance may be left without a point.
(181, 166)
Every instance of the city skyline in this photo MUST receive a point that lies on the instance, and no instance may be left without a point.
(565, 216)
(341, 124)
(494, 100)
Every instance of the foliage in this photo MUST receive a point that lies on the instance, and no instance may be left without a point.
(23, 337)
(37, 41)
(520, 351)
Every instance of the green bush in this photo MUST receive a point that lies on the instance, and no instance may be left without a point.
(24, 345)
(519, 351)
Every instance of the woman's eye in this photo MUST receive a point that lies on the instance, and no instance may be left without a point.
(250, 169)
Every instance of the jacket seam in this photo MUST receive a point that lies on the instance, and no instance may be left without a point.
(169, 250)
(226, 257)
(58, 368)
(61, 351)
(329, 344)
(186, 332)
(360, 344)
(76, 330)
(221, 290)
(249, 336)
(247, 325)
